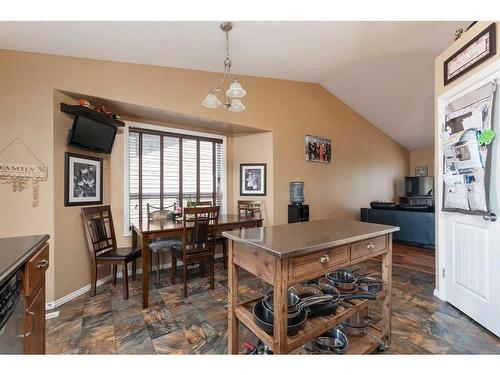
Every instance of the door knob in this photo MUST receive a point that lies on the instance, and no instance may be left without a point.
(490, 217)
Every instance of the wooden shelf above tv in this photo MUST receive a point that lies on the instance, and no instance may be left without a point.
(79, 110)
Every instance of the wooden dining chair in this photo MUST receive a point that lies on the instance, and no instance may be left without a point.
(161, 244)
(101, 240)
(203, 203)
(199, 227)
(246, 209)
(250, 209)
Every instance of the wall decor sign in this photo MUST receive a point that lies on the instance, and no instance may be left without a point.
(82, 180)
(253, 179)
(318, 149)
(20, 175)
(482, 47)
(421, 171)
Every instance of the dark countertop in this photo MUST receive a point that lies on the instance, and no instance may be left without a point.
(288, 240)
(15, 251)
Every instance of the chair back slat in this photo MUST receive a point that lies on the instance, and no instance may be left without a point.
(200, 226)
(157, 213)
(99, 229)
(250, 209)
(203, 203)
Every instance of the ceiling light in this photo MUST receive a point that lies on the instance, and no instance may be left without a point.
(231, 89)
(211, 100)
(236, 106)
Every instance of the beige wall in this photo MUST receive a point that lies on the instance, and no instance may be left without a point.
(366, 162)
(439, 89)
(423, 157)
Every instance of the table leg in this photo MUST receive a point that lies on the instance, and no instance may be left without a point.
(145, 270)
(387, 280)
(280, 306)
(233, 274)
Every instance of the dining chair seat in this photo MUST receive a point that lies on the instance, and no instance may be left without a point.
(190, 250)
(164, 244)
(121, 253)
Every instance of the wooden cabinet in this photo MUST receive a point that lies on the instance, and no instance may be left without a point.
(34, 324)
(34, 301)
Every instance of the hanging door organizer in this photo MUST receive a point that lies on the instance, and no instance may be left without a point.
(466, 143)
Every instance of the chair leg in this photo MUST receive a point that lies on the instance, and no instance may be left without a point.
(212, 271)
(94, 279)
(184, 275)
(202, 268)
(125, 280)
(173, 269)
(134, 270)
(150, 261)
(158, 269)
(114, 268)
(224, 254)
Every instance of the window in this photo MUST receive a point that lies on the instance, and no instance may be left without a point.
(168, 168)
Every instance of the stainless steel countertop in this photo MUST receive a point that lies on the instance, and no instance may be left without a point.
(289, 240)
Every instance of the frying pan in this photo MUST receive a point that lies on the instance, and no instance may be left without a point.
(265, 319)
(331, 307)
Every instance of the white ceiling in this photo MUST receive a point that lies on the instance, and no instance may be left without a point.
(384, 70)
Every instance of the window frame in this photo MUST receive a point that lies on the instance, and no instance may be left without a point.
(165, 131)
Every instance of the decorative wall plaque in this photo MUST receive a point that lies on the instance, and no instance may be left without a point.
(20, 175)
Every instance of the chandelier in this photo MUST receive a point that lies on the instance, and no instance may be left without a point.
(230, 88)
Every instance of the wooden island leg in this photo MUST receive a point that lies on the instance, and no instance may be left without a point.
(232, 322)
(387, 280)
(280, 306)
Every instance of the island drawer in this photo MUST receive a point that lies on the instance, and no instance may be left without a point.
(35, 269)
(314, 265)
(368, 247)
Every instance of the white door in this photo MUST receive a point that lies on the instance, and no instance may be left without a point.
(472, 247)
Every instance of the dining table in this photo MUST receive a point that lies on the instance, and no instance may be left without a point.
(144, 231)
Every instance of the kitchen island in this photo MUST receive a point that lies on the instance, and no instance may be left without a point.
(283, 255)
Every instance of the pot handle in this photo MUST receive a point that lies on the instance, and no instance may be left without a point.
(359, 296)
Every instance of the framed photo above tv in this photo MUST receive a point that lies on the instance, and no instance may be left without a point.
(482, 47)
(421, 171)
(82, 180)
(253, 179)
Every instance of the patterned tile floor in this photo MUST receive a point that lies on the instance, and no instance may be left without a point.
(105, 324)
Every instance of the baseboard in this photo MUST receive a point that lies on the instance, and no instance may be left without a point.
(438, 294)
(77, 293)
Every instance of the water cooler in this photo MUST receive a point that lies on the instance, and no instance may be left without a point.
(297, 211)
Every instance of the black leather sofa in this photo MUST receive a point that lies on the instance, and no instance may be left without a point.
(416, 227)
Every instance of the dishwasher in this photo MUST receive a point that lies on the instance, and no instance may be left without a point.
(12, 316)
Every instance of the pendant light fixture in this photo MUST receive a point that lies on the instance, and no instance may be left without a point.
(231, 88)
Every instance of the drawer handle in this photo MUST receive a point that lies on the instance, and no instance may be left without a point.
(324, 259)
(43, 263)
(370, 245)
(30, 313)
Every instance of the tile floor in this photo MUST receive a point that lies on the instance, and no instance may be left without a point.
(106, 324)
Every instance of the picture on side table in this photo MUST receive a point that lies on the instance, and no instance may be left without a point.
(82, 180)
(318, 149)
(253, 179)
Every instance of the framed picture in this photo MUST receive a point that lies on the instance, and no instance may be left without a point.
(421, 171)
(318, 149)
(482, 47)
(82, 180)
(253, 179)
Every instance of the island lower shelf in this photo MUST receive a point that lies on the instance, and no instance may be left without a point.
(317, 325)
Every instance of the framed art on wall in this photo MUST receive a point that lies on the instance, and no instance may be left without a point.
(480, 48)
(421, 171)
(82, 180)
(318, 149)
(253, 179)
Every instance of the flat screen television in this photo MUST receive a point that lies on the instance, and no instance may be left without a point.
(419, 186)
(91, 134)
